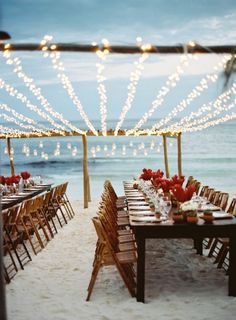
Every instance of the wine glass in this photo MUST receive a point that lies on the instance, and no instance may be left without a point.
(166, 207)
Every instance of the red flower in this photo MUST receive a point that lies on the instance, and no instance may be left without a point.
(178, 180)
(2, 180)
(8, 180)
(181, 194)
(148, 174)
(16, 179)
(25, 175)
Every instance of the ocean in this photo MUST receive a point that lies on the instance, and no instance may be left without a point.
(209, 155)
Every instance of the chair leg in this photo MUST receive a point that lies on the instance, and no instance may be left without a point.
(222, 257)
(212, 249)
(94, 275)
(219, 254)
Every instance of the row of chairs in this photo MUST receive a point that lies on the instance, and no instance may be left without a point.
(116, 243)
(33, 223)
(218, 247)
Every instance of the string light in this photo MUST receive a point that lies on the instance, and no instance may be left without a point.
(219, 104)
(10, 132)
(20, 124)
(29, 82)
(196, 92)
(165, 89)
(193, 122)
(67, 85)
(101, 87)
(98, 148)
(20, 96)
(133, 82)
(16, 114)
(74, 151)
(212, 123)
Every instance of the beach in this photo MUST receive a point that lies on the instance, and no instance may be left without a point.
(179, 283)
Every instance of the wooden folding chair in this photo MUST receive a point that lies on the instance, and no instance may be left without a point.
(48, 214)
(120, 202)
(106, 255)
(221, 201)
(9, 264)
(15, 236)
(31, 225)
(54, 207)
(65, 199)
(220, 246)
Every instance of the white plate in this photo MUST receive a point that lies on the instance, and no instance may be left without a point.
(138, 203)
(138, 208)
(210, 208)
(146, 219)
(219, 215)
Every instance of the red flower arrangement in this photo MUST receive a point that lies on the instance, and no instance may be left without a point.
(148, 174)
(10, 180)
(182, 194)
(16, 179)
(25, 175)
(2, 180)
(168, 184)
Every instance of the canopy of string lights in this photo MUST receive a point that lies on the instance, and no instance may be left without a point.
(52, 123)
(209, 114)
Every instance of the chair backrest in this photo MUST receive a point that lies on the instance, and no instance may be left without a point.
(209, 193)
(64, 188)
(197, 185)
(190, 178)
(203, 191)
(232, 207)
(223, 200)
(215, 197)
(47, 197)
(108, 186)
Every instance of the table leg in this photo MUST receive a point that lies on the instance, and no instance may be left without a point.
(198, 245)
(232, 266)
(140, 269)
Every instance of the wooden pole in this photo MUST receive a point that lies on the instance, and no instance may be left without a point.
(179, 155)
(89, 194)
(10, 156)
(166, 156)
(156, 49)
(85, 170)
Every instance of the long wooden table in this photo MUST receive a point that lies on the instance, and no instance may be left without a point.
(10, 201)
(168, 229)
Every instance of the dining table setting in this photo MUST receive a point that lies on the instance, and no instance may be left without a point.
(17, 188)
(152, 215)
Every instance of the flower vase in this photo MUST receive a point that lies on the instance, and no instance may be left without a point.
(26, 183)
(192, 220)
(192, 216)
(178, 218)
(167, 195)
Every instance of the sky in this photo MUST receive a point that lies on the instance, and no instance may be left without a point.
(82, 21)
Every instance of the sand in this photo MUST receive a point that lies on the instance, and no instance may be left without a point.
(179, 284)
